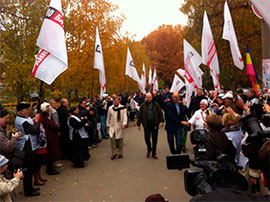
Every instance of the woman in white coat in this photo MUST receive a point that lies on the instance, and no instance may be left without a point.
(116, 124)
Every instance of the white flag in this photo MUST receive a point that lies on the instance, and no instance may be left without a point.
(131, 71)
(181, 72)
(150, 77)
(229, 34)
(192, 63)
(143, 77)
(155, 81)
(177, 84)
(99, 64)
(263, 6)
(51, 60)
(189, 83)
(209, 52)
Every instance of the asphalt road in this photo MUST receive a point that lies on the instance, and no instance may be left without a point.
(132, 178)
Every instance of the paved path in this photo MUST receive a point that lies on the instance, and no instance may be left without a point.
(132, 178)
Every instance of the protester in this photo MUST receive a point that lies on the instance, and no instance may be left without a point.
(252, 98)
(28, 143)
(116, 124)
(234, 134)
(52, 134)
(63, 113)
(102, 111)
(53, 112)
(8, 144)
(174, 115)
(132, 107)
(8, 186)
(217, 142)
(78, 136)
(198, 120)
(151, 117)
(195, 102)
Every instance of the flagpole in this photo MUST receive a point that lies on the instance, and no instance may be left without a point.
(41, 94)
(92, 90)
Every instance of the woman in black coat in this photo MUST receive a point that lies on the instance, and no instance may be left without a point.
(78, 137)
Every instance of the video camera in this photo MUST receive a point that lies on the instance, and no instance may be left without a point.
(209, 174)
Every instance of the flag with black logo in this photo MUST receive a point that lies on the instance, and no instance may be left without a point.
(51, 60)
(131, 71)
(99, 64)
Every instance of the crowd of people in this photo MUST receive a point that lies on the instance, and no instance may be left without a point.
(46, 133)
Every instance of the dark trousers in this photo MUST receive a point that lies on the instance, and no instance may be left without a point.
(29, 163)
(177, 136)
(149, 131)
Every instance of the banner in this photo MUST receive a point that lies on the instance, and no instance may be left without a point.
(229, 34)
(155, 81)
(99, 64)
(209, 52)
(131, 71)
(177, 84)
(51, 60)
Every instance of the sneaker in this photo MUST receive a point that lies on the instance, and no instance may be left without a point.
(147, 154)
(154, 156)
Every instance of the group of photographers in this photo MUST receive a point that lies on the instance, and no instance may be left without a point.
(237, 128)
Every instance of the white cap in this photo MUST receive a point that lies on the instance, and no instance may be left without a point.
(204, 101)
(227, 95)
(43, 106)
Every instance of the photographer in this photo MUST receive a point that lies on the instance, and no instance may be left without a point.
(8, 186)
(8, 144)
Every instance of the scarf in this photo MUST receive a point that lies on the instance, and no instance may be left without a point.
(118, 110)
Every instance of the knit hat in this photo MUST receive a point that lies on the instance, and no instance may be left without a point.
(43, 106)
(3, 160)
(204, 101)
(22, 106)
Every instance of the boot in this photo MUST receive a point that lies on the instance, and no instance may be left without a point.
(40, 178)
(37, 182)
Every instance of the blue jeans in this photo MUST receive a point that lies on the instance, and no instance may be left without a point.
(177, 136)
(103, 126)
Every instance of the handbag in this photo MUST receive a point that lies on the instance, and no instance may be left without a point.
(42, 140)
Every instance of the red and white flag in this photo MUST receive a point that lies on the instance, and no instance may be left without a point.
(143, 76)
(155, 81)
(192, 63)
(209, 52)
(51, 60)
(150, 77)
(177, 84)
(229, 34)
(131, 71)
(99, 64)
(189, 83)
(263, 7)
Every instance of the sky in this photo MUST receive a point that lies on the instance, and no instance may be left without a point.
(145, 16)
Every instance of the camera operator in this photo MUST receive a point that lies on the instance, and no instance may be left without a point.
(217, 142)
(234, 195)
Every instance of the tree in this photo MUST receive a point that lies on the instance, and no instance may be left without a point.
(248, 31)
(20, 22)
(164, 48)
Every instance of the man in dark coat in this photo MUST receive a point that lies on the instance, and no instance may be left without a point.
(174, 116)
(64, 137)
(151, 117)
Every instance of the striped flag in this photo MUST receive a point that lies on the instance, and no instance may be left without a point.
(251, 70)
